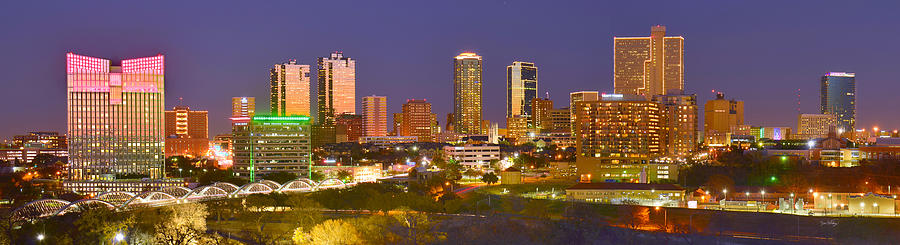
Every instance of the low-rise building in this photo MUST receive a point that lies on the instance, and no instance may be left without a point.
(600, 172)
(627, 193)
(131, 185)
(473, 156)
(871, 204)
(511, 176)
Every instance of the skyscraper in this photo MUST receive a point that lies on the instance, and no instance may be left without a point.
(290, 89)
(521, 88)
(721, 119)
(467, 93)
(337, 87)
(839, 98)
(243, 106)
(374, 110)
(115, 117)
(576, 97)
(540, 114)
(648, 65)
(418, 120)
(187, 132)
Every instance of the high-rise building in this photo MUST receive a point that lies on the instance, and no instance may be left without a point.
(183, 122)
(290, 89)
(811, 126)
(115, 117)
(45, 140)
(243, 106)
(374, 112)
(397, 124)
(521, 88)
(269, 144)
(679, 123)
(467, 84)
(337, 87)
(579, 96)
(561, 120)
(615, 134)
(540, 114)
(722, 118)
(187, 132)
(839, 98)
(418, 120)
(648, 65)
(348, 128)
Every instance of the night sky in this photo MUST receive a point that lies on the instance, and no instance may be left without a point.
(760, 52)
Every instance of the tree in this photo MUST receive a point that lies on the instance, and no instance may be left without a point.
(333, 231)
(344, 175)
(100, 224)
(719, 182)
(316, 176)
(490, 178)
(305, 212)
(413, 227)
(183, 224)
(473, 172)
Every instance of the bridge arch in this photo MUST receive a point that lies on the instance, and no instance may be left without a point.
(116, 197)
(254, 188)
(297, 185)
(331, 183)
(84, 204)
(38, 209)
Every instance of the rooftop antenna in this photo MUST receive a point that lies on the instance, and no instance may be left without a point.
(798, 101)
(180, 101)
(548, 95)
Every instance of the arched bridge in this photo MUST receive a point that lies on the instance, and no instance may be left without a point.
(123, 200)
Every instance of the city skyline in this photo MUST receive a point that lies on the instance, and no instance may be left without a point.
(768, 88)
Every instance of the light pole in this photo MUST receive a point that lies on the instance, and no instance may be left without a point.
(763, 192)
(665, 218)
(119, 237)
(40, 238)
(792, 203)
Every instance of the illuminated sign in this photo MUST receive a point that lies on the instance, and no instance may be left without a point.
(841, 74)
(613, 96)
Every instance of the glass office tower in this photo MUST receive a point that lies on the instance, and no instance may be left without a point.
(115, 117)
(839, 98)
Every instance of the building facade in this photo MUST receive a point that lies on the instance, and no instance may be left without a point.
(187, 132)
(540, 114)
(289, 89)
(115, 117)
(243, 106)
(337, 87)
(721, 119)
(648, 65)
(561, 121)
(679, 123)
(521, 88)
(467, 83)
(348, 128)
(516, 128)
(811, 126)
(576, 97)
(269, 144)
(838, 96)
(473, 156)
(418, 120)
(374, 112)
(619, 129)
(46, 140)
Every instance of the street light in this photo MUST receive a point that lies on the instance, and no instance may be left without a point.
(763, 192)
(725, 192)
(40, 237)
(119, 237)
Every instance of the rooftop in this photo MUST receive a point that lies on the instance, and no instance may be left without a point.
(625, 186)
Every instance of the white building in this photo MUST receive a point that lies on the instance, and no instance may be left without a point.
(473, 156)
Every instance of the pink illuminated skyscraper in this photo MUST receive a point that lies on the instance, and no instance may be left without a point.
(337, 87)
(115, 117)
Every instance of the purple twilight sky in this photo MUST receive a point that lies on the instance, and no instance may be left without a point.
(757, 51)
